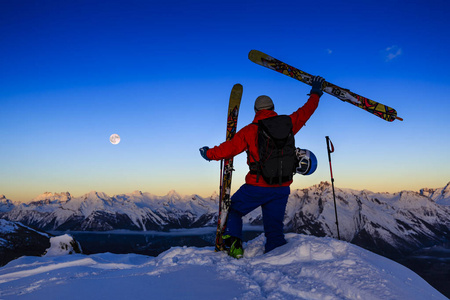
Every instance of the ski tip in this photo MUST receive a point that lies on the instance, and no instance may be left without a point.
(255, 55)
(237, 88)
(251, 54)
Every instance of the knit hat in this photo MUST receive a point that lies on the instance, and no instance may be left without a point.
(263, 102)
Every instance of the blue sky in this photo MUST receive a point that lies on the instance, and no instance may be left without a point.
(159, 74)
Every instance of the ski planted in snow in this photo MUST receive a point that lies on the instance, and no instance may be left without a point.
(226, 166)
(380, 110)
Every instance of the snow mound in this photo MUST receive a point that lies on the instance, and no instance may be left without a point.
(62, 245)
(305, 268)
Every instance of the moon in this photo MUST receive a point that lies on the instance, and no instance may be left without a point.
(114, 139)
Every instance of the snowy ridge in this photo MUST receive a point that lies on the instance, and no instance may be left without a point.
(5, 204)
(98, 211)
(440, 196)
(7, 227)
(17, 239)
(383, 222)
(305, 268)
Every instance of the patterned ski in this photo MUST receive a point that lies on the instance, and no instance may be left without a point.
(227, 166)
(380, 110)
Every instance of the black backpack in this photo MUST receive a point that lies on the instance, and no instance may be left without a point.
(276, 147)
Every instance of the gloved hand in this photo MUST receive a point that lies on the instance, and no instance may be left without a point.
(317, 85)
(203, 151)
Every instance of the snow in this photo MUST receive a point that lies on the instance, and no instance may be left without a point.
(7, 226)
(441, 196)
(305, 268)
(145, 211)
(60, 245)
(5, 204)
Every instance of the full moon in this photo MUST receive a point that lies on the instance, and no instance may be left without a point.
(114, 139)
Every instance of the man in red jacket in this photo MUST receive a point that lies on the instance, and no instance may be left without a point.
(256, 192)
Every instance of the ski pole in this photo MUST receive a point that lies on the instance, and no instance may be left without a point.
(330, 149)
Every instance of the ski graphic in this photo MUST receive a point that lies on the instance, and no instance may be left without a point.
(380, 110)
(226, 166)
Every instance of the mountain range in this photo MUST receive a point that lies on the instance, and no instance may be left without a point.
(387, 223)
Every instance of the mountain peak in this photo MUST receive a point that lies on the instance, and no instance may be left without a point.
(6, 205)
(440, 195)
(49, 198)
(172, 192)
(447, 187)
(94, 195)
(137, 193)
(173, 196)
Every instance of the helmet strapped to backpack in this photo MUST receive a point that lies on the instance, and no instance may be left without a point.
(306, 161)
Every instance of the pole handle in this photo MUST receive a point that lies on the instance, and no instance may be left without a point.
(330, 145)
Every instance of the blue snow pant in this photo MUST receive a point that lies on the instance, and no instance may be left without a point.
(273, 202)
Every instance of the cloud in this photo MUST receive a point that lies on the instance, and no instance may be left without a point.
(329, 51)
(392, 52)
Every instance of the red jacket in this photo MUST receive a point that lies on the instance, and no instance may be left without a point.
(245, 139)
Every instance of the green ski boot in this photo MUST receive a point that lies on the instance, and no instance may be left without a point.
(233, 246)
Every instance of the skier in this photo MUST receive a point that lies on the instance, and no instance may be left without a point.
(256, 191)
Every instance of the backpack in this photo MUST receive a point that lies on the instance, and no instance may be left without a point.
(276, 148)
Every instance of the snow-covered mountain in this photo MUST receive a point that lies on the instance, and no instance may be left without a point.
(99, 212)
(5, 204)
(386, 223)
(389, 224)
(440, 196)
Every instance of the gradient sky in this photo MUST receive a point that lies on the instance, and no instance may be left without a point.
(159, 74)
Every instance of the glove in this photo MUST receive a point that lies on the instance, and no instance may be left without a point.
(317, 85)
(203, 153)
